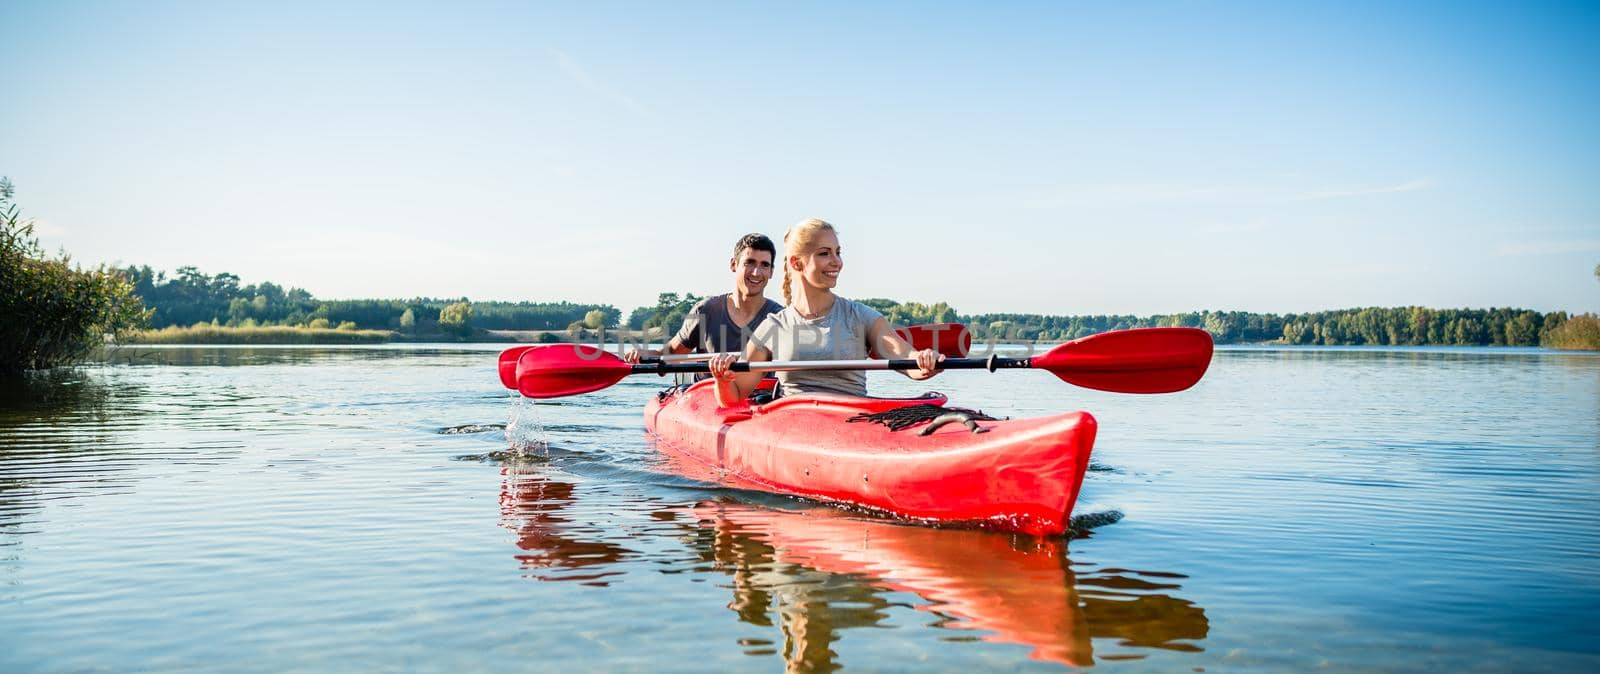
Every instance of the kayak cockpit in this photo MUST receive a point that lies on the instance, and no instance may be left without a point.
(842, 403)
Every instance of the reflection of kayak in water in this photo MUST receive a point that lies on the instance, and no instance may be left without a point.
(1019, 590)
(1017, 475)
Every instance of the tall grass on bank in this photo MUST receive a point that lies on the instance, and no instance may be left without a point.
(1581, 332)
(271, 334)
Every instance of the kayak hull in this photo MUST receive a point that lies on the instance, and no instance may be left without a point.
(1016, 475)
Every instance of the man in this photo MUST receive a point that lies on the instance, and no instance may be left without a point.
(723, 323)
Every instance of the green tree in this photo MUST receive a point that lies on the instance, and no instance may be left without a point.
(669, 311)
(456, 318)
(638, 316)
(238, 310)
(1523, 330)
(594, 320)
(882, 305)
(408, 321)
(54, 313)
(1219, 326)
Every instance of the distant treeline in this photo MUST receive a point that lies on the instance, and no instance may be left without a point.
(1409, 326)
(1371, 326)
(190, 297)
(1374, 326)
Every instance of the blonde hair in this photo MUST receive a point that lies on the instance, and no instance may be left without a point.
(799, 240)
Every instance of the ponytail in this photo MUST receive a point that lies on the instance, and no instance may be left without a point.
(788, 295)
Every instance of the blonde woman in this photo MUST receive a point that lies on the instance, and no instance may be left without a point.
(817, 325)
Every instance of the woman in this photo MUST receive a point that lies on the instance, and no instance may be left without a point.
(817, 325)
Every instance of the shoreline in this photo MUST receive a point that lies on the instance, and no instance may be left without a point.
(317, 337)
(219, 335)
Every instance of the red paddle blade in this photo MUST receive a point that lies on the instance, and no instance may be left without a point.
(950, 339)
(508, 365)
(1145, 360)
(556, 370)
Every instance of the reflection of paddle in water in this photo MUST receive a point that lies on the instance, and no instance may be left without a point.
(531, 505)
(1018, 589)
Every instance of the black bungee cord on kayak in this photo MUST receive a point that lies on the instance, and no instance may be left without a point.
(901, 418)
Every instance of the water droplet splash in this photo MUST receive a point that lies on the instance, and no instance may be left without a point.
(525, 431)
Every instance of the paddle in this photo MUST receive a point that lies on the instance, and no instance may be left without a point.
(1146, 360)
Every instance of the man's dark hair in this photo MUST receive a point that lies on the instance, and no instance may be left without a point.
(757, 242)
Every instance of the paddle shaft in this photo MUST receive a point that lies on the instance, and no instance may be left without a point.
(954, 345)
(991, 364)
(679, 358)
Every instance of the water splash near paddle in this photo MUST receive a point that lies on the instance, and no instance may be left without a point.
(525, 431)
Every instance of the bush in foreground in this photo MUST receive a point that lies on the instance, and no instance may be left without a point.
(54, 313)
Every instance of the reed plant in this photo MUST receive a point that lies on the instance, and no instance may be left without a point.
(206, 333)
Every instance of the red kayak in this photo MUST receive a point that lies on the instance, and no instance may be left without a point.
(1017, 475)
(1013, 475)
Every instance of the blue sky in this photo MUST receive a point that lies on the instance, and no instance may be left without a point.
(1049, 157)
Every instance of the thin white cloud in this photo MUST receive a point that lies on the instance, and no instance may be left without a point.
(1119, 194)
(1116, 194)
(1547, 247)
(43, 229)
(588, 83)
(1408, 186)
(1222, 229)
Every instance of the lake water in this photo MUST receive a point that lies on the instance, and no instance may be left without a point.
(363, 509)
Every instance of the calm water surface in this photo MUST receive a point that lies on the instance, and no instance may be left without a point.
(365, 509)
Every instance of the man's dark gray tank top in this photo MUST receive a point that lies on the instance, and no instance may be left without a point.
(708, 329)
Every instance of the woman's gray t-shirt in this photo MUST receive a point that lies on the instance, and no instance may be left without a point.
(841, 334)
